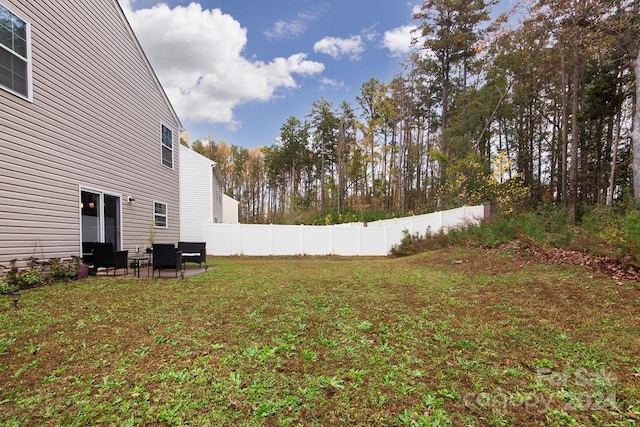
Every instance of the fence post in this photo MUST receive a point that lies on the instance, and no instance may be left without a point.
(489, 210)
(242, 249)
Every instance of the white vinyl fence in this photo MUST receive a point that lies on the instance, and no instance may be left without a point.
(353, 239)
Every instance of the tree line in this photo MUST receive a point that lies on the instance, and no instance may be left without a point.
(541, 110)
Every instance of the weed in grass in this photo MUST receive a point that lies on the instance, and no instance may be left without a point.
(235, 378)
(109, 383)
(365, 325)
(333, 382)
(140, 352)
(432, 401)
(560, 418)
(328, 342)
(161, 339)
(309, 355)
(170, 414)
(32, 347)
(513, 372)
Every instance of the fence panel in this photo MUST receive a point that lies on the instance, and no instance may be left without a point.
(346, 241)
(317, 240)
(372, 239)
(286, 240)
(373, 242)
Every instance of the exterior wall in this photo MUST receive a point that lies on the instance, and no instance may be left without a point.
(95, 122)
(196, 195)
(230, 210)
(217, 206)
(201, 197)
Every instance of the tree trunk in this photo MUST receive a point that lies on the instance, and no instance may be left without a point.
(575, 137)
(614, 159)
(565, 136)
(635, 136)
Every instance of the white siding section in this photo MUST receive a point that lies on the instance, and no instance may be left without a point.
(95, 122)
(196, 195)
(229, 210)
(218, 200)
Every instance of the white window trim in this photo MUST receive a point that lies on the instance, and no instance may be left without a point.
(29, 96)
(166, 216)
(162, 146)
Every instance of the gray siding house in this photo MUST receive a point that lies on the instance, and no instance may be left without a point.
(88, 139)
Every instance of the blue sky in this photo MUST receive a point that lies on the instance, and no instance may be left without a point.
(235, 70)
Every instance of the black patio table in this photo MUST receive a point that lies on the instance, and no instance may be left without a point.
(137, 260)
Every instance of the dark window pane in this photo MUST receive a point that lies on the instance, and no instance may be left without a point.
(167, 136)
(20, 84)
(5, 77)
(161, 221)
(161, 209)
(166, 157)
(5, 36)
(5, 59)
(20, 46)
(19, 68)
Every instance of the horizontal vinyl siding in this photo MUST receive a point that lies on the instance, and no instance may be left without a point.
(95, 122)
(217, 197)
(195, 195)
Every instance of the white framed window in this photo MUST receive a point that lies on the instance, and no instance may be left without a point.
(160, 215)
(15, 53)
(167, 147)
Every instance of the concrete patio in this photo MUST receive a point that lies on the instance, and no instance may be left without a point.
(147, 273)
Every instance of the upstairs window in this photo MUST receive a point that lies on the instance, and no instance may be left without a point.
(14, 53)
(167, 147)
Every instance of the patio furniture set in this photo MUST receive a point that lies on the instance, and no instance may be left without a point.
(161, 256)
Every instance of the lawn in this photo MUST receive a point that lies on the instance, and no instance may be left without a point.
(451, 337)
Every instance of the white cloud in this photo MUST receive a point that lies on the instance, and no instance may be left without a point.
(326, 83)
(337, 47)
(198, 57)
(289, 28)
(398, 40)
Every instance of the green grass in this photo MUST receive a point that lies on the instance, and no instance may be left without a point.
(420, 341)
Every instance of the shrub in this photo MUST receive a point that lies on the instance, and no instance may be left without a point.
(64, 270)
(631, 233)
(497, 232)
(6, 288)
(39, 273)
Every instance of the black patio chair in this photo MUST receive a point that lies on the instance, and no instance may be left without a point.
(165, 256)
(105, 257)
(195, 252)
(87, 252)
